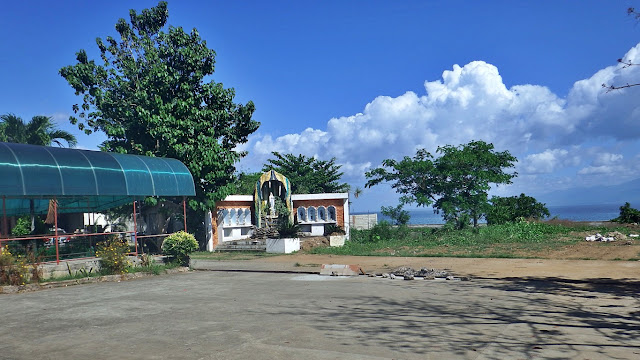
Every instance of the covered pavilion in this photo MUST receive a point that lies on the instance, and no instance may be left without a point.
(37, 180)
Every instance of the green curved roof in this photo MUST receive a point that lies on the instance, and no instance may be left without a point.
(91, 180)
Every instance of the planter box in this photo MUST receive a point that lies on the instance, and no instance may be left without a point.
(336, 240)
(283, 246)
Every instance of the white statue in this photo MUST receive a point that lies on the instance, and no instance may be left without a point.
(272, 205)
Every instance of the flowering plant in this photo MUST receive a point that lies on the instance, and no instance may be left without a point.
(113, 256)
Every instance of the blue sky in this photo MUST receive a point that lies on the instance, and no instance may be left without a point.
(368, 80)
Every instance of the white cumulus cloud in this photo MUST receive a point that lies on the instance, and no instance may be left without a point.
(548, 133)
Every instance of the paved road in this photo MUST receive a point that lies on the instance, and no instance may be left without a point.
(231, 315)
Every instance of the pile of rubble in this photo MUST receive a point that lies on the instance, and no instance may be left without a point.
(612, 236)
(264, 233)
(408, 273)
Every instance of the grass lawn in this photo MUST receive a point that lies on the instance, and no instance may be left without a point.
(519, 240)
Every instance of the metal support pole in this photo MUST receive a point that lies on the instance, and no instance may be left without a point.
(55, 216)
(135, 230)
(4, 220)
(184, 212)
(5, 229)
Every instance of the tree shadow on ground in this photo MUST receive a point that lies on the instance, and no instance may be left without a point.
(509, 318)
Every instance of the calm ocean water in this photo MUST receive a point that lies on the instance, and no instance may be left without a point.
(575, 213)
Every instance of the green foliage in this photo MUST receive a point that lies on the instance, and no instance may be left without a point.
(23, 226)
(381, 231)
(455, 184)
(628, 215)
(152, 94)
(308, 175)
(113, 256)
(245, 183)
(330, 229)
(511, 209)
(40, 130)
(14, 269)
(512, 240)
(286, 229)
(180, 245)
(396, 213)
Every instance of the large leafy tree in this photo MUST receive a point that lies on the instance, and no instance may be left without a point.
(455, 184)
(512, 208)
(308, 175)
(40, 130)
(245, 183)
(152, 94)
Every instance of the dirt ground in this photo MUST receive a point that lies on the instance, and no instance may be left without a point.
(597, 251)
(474, 267)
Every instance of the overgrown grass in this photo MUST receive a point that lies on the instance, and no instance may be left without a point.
(239, 255)
(514, 240)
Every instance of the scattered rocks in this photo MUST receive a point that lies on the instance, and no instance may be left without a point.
(408, 273)
(264, 233)
(424, 272)
(371, 275)
(402, 270)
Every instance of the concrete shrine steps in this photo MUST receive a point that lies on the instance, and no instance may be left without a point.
(242, 245)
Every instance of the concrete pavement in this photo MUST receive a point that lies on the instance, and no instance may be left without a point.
(235, 315)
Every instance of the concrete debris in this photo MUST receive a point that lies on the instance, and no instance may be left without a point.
(341, 270)
(392, 276)
(601, 238)
(633, 235)
(402, 270)
(617, 235)
(423, 272)
(385, 275)
(408, 276)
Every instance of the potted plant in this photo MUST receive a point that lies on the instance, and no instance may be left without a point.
(288, 239)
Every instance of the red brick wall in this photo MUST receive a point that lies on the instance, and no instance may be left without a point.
(338, 203)
(220, 205)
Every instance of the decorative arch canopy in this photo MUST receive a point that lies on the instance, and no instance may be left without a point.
(271, 183)
(84, 180)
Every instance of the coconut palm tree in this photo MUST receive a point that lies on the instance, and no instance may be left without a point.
(39, 131)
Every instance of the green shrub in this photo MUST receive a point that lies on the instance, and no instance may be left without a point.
(113, 256)
(511, 209)
(628, 215)
(14, 270)
(382, 231)
(330, 229)
(180, 245)
(288, 230)
(397, 214)
(23, 226)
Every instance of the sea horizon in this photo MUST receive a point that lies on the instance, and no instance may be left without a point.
(600, 212)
